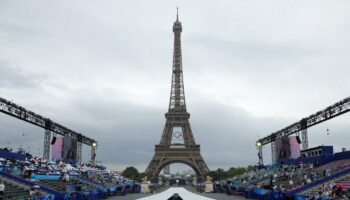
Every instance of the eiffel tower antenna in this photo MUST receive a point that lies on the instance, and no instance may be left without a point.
(177, 13)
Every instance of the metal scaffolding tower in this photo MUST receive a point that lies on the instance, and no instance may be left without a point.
(328, 113)
(21, 113)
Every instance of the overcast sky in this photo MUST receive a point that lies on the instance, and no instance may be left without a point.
(103, 68)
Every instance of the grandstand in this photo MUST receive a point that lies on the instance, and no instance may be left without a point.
(318, 175)
(27, 177)
(14, 190)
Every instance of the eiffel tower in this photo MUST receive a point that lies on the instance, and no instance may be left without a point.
(177, 144)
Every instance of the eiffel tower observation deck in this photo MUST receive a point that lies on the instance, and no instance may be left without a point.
(177, 144)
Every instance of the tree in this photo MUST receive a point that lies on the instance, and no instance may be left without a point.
(221, 174)
(141, 175)
(131, 172)
(235, 171)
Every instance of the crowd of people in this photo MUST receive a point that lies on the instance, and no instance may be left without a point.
(39, 166)
(284, 178)
(32, 167)
(330, 190)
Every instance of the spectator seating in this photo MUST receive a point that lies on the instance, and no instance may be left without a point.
(334, 165)
(15, 191)
(66, 187)
(345, 184)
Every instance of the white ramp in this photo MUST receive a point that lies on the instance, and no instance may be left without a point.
(183, 193)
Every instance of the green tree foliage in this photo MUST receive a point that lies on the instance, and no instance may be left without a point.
(131, 172)
(235, 171)
(141, 175)
(221, 174)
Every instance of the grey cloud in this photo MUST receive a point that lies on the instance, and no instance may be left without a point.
(104, 69)
(16, 78)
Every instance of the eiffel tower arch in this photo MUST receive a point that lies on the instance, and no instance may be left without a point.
(177, 144)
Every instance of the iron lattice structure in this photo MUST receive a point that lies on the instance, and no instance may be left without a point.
(301, 126)
(21, 113)
(177, 116)
(328, 113)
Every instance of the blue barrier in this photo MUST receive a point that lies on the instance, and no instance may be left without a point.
(48, 197)
(342, 155)
(301, 197)
(275, 196)
(93, 195)
(38, 177)
(66, 196)
(101, 194)
(251, 194)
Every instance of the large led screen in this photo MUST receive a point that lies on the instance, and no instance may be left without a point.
(287, 147)
(69, 148)
(57, 149)
(294, 147)
(282, 148)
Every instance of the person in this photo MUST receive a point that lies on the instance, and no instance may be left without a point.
(291, 182)
(271, 183)
(32, 191)
(308, 180)
(71, 151)
(2, 190)
(66, 177)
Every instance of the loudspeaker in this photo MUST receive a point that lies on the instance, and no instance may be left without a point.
(53, 141)
(298, 139)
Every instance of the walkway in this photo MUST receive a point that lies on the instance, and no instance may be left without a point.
(183, 192)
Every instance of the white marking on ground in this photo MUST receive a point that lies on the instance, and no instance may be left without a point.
(183, 193)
